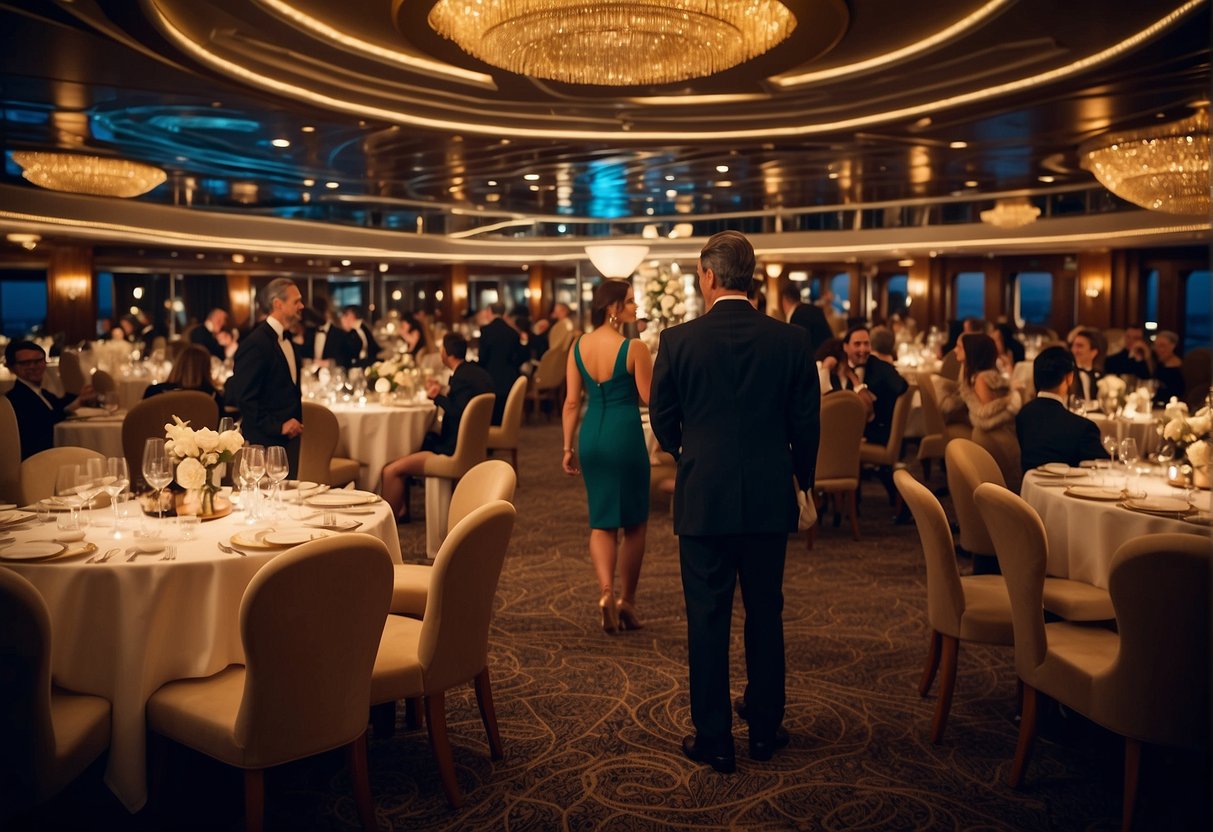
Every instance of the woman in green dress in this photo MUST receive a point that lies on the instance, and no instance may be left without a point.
(615, 373)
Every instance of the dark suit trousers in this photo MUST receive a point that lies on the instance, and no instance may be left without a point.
(711, 567)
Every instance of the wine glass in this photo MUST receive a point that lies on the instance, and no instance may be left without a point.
(1130, 456)
(67, 490)
(1112, 445)
(157, 470)
(276, 468)
(117, 478)
(90, 480)
(252, 469)
(109, 401)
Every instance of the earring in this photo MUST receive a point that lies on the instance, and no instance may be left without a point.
(614, 319)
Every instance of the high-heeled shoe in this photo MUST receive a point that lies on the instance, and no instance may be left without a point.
(610, 617)
(628, 619)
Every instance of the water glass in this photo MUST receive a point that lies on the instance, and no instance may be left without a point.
(188, 525)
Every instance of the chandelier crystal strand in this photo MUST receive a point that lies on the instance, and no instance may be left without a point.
(1011, 213)
(94, 175)
(1164, 168)
(625, 43)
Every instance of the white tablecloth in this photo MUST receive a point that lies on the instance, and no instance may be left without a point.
(1143, 430)
(101, 433)
(1084, 534)
(130, 390)
(121, 630)
(375, 434)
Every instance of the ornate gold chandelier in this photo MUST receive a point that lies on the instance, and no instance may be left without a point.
(1011, 213)
(620, 43)
(95, 175)
(1164, 168)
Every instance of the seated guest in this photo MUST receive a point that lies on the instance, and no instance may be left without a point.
(950, 365)
(877, 382)
(213, 337)
(37, 410)
(468, 380)
(191, 371)
(830, 361)
(1010, 348)
(1087, 347)
(1047, 430)
(1168, 367)
(414, 336)
(1135, 359)
(364, 348)
(990, 402)
(883, 344)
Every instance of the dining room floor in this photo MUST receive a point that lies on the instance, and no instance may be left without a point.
(592, 723)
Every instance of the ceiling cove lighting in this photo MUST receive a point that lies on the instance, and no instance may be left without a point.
(1162, 168)
(1011, 213)
(94, 175)
(621, 43)
(618, 261)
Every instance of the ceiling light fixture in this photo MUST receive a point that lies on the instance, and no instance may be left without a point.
(29, 242)
(280, 142)
(95, 175)
(1011, 213)
(619, 43)
(618, 261)
(1162, 168)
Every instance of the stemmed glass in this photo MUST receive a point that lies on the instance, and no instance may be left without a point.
(90, 481)
(276, 469)
(157, 470)
(252, 469)
(1130, 456)
(117, 478)
(109, 401)
(67, 490)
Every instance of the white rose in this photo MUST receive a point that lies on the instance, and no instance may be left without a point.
(183, 446)
(400, 378)
(230, 441)
(383, 385)
(667, 303)
(654, 287)
(1174, 430)
(680, 309)
(191, 474)
(1176, 409)
(1200, 424)
(210, 458)
(206, 439)
(1198, 453)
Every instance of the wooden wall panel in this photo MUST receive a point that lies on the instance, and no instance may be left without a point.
(71, 302)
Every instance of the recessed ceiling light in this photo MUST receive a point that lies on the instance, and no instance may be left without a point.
(971, 183)
(958, 145)
(492, 183)
(531, 177)
(534, 187)
(832, 175)
(307, 183)
(332, 185)
(671, 193)
(383, 268)
(649, 211)
(722, 168)
(307, 128)
(669, 177)
(1047, 179)
(345, 262)
(925, 121)
(237, 258)
(281, 142)
(724, 183)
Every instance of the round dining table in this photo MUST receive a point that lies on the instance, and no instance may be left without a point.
(122, 628)
(93, 429)
(375, 434)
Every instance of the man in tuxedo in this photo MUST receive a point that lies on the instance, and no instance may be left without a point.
(1087, 349)
(1047, 430)
(362, 345)
(806, 315)
(37, 410)
(212, 336)
(736, 401)
(328, 344)
(1135, 359)
(877, 382)
(501, 355)
(265, 383)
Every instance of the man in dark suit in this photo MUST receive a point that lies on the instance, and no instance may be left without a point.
(1087, 348)
(501, 355)
(265, 383)
(1047, 430)
(468, 380)
(362, 344)
(327, 343)
(37, 410)
(212, 336)
(805, 315)
(877, 382)
(1135, 359)
(736, 400)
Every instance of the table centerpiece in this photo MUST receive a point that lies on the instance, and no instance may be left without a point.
(196, 455)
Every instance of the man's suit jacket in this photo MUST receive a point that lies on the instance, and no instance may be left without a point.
(811, 317)
(203, 337)
(35, 421)
(501, 355)
(1089, 390)
(886, 384)
(337, 346)
(262, 388)
(1048, 432)
(468, 381)
(736, 400)
(1123, 364)
(372, 346)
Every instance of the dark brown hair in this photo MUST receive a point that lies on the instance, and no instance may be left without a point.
(608, 293)
(981, 353)
(192, 369)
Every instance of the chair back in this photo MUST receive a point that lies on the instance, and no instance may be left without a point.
(38, 473)
(1160, 588)
(1023, 551)
(318, 442)
(932, 416)
(471, 443)
(491, 480)
(550, 372)
(969, 465)
(27, 735)
(842, 421)
(1002, 445)
(310, 623)
(945, 596)
(1197, 370)
(10, 454)
(454, 641)
(103, 382)
(891, 452)
(506, 434)
(146, 420)
(71, 371)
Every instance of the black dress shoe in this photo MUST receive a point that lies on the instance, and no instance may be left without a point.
(763, 750)
(723, 763)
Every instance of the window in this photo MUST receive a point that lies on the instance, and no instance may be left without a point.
(969, 295)
(897, 295)
(1198, 302)
(1033, 298)
(840, 285)
(22, 302)
(1152, 296)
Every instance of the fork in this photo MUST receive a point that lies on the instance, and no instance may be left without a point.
(102, 558)
(170, 553)
(231, 550)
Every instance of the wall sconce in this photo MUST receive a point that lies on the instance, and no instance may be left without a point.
(29, 242)
(75, 287)
(1094, 287)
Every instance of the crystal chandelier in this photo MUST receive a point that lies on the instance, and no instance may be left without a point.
(94, 175)
(620, 43)
(1011, 213)
(1163, 168)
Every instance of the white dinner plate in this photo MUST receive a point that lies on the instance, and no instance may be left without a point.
(7, 506)
(1160, 505)
(1093, 492)
(292, 537)
(299, 485)
(32, 550)
(334, 499)
(1055, 469)
(12, 518)
(339, 526)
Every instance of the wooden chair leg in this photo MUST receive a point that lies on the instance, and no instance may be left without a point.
(932, 665)
(853, 510)
(383, 720)
(1133, 749)
(488, 714)
(412, 713)
(254, 799)
(435, 721)
(360, 779)
(1027, 734)
(947, 686)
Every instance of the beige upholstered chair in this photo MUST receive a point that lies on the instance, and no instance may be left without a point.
(441, 471)
(103, 382)
(935, 438)
(889, 454)
(1003, 445)
(37, 474)
(487, 482)
(146, 420)
(310, 623)
(504, 437)
(71, 371)
(970, 465)
(48, 736)
(968, 608)
(449, 646)
(547, 383)
(842, 421)
(10, 454)
(1150, 682)
(316, 460)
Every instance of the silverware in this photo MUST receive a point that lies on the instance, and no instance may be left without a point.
(170, 553)
(104, 556)
(231, 550)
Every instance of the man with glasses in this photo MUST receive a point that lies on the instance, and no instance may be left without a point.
(38, 410)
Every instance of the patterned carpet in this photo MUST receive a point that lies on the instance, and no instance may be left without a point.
(592, 724)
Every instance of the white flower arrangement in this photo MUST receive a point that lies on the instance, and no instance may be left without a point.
(1113, 386)
(1189, 433)
(389, 376)
(195, 453)
(665, 301)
